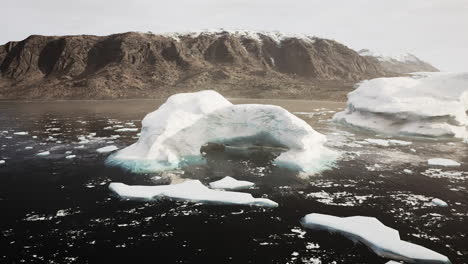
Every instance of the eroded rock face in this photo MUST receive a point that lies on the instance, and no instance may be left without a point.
(142, 65)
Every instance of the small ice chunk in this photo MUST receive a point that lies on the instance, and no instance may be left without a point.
(192, 190)
(127, 129)
(28, 147)
(407, 171)
(383, 240)
(107, 149)
(387, 142)
(229, 183)
(21, 133)
(439, 202)
(44, 153)
(443, 162)
(2, 161)
(70, 156)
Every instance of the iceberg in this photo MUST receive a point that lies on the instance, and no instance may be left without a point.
(173, 135)
(381, 239)
(229, 183)
(192, 190)
(423, 104)
(443, 162)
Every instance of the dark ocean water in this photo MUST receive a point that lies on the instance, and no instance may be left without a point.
(59, 210)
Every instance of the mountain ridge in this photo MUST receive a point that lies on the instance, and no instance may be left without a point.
(147, 65)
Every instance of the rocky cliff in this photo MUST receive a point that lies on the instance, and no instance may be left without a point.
(141, 65)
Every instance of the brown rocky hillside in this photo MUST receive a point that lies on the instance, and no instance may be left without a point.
(145, 65)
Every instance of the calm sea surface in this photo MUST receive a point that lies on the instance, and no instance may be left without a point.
(59, 210)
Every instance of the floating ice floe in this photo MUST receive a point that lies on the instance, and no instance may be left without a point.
(424, 104)
(383, 240)
(229, 183)
(127, 129)
(443, 162)
(21, 133)
(172, 135)
(439, 202)
(70, 156)
(44, 153)
(2, 162)
(192, 190)
(387, 142)
(107, 149)
(452, 176)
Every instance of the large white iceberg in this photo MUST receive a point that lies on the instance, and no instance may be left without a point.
(173, 135)
(383, 240)
(424, 104)
(192, 190)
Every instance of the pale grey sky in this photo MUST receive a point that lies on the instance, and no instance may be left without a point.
(434, 30)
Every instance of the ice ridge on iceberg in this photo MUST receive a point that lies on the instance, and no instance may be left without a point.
(192, 190)
(423, 104)
(381, 239)
(173, 135)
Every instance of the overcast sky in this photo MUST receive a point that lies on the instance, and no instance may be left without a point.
(434, 30)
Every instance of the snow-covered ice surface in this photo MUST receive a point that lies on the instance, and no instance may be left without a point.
(405, 57)
(383, 240)
(229, 183)
(424, 104)
(173, 135)
(192, 190)
(70, 198)
(276, 36)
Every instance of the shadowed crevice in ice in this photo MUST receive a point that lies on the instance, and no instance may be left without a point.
(424, 104)
(192, 191)
(174, 135)
(383, 240)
